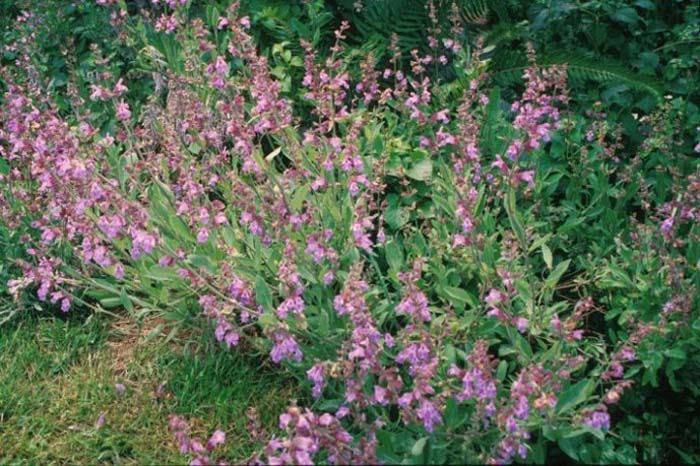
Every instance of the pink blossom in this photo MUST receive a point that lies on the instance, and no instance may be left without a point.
(123, 112)
(216, 439)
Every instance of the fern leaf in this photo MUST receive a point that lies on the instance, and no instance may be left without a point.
(508, 67)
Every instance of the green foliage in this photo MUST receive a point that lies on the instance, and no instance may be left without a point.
(507, 70)
(377, 20)
(589, 232)
(657, 53)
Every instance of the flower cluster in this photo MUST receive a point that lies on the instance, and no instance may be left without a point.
(384, 249)
(192, 445)
(308, 433)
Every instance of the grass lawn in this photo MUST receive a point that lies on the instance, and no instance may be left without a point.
(58, 377)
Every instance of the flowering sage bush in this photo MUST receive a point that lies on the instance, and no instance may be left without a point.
(452, 277)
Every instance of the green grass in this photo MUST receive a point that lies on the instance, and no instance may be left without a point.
(59, 376)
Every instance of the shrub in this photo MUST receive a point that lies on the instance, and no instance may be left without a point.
(454, 280)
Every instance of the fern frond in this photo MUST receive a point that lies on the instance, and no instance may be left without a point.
(409, 18)
(507, 68)
(475, 12)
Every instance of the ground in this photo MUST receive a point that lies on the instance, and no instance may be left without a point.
(59, 376)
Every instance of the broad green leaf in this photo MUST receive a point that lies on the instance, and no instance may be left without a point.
(538, 454)
(126, 301)
(557, 273)
(540, 241)
(263, 295)
(575, 395)
(161, 274)
(570, 446)
(675, 353)
(271, 156)
(523, 347)
(502, 371)
(547, 256)
(393, 255)
(516, 225)
(460, 296)
(696, 325)
(212, 14)
(585, 430)
(111, 302)
(201, 261)
(421, 171)
(526, 295)
(299, 197)
(4, 167)
(627, 15)
(195, 148)
(419, 446)
(396, 218)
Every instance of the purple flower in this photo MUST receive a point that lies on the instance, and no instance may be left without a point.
(616, 369)
(362, 239)
(231, 339)
(380, 395)
(196, 446)
(342, 412)
(120, 388)
(405, 400)
(522, 408)
(389, 340)
(514, 150)
(123, 112)
(119, 271)
(217, 438)
(317, 375)
(490, 409)
(555, 323)
(240, 291)
(65, 304)
(315, 250)
(494, 296)
(627, 353)
(223, 22)
(522, 451)
(511, 424)
(476, 384)
(417, 354)
(285, 348)
(225, 332)
(293, 304)
(415, 305)
(221, 329)
(328, 277)
(667, 225)
(166, 261)
(142, 242)
(111, 225)
(501, 165)
(429, 414)
(202, 235)
(526, 176)
(598, 420)
(221, 67)
(119, 88)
